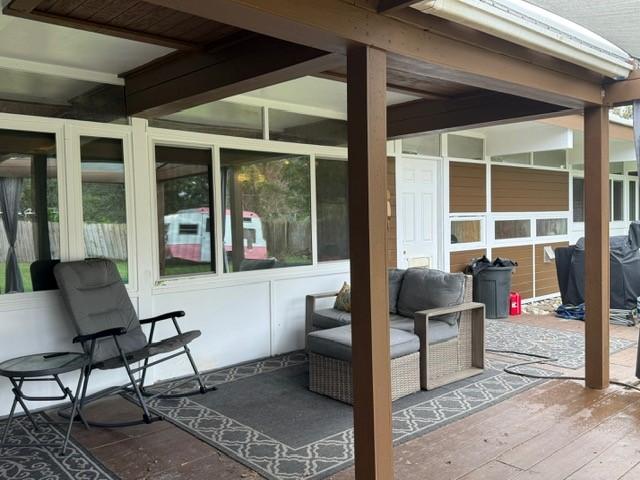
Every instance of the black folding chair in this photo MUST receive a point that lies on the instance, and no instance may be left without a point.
(111, 333)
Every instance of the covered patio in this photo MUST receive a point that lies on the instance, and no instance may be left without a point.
(241, 155)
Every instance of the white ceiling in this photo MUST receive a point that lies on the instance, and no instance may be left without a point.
(615, 20)
(52, 44)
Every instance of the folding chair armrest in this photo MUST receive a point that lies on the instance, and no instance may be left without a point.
(164, 316)
(111, 332)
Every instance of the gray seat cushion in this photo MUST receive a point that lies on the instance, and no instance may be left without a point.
(97, 300)
(331, 318)
(336, 343)
(395, 282)
(424, 289)
(439, 331)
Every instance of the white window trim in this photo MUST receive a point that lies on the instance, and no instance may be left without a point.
(460, 247)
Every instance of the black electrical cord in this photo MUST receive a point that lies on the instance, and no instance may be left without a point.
(542, 359)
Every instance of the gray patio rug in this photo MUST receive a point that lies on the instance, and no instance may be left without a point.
(43, 463)
(567, 347)
(264, 416)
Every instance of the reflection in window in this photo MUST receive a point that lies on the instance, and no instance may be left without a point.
(515, 158)
(104, 207)
(29, 215)
(300, 128)
(332, 208)
(220, 118)
(546, 227)
(466, 231)
(267, 210)
(185, 200)
(461, 146)
(578, 199)
(422, 145)
(506, 229)
(551, 158)
(618, 214)
(633, 191)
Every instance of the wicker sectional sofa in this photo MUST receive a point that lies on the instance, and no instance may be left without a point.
(434, 306)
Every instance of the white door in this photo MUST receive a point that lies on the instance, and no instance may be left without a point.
(418, 205)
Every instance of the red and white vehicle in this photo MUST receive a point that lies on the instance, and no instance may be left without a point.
(188, 235)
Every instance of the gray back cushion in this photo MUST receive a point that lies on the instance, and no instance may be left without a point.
(424, 288)
(97, 300)
(395, 282)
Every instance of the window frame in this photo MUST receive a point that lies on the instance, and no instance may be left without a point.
(160, 136)
(459, 247)
(74, 130)
(25, 123)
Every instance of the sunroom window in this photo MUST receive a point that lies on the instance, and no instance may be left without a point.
(267, 205)
(466, 231)
(29, 215)
(461, 146)
(510, 229)
(104, 207)
(332, 208)
(185, 202)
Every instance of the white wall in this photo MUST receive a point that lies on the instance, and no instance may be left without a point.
(242, 316)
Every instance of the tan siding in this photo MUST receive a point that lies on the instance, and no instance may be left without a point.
(522, 281)
(546, 278)
(392, 241)
(516, 189)
(467, 187)
(459, 260)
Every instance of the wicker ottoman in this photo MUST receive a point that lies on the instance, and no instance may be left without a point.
(330, 363)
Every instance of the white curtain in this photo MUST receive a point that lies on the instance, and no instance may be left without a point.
(10, 193)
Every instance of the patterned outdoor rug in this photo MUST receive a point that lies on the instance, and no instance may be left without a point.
(264, 416)
(44, 463)
(567, 347)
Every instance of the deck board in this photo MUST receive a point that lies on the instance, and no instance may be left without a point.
(555, 431)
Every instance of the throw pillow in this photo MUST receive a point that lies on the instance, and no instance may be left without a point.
(343, 299)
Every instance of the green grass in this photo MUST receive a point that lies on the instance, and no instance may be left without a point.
(123, 269)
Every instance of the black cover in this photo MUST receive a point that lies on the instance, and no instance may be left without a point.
(624, 265)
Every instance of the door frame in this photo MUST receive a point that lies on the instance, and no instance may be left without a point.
(442, 207)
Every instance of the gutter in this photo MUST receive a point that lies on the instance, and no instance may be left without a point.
(528, 25)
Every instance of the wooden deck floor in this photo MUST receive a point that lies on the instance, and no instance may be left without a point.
(555, 431)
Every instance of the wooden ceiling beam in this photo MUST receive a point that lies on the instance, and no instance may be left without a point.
(385, 6)
(441, 116)
(185, 80)
(25, 6)
(623, 92)
(337, 24)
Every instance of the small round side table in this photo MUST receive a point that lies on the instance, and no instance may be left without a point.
(43, 367)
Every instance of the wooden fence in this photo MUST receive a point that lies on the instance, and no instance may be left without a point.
(101, 240)
(285, 238)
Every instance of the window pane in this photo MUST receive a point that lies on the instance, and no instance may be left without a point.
(506, 229)
(268, 210)
(29, 213)
(466, 231)
(185, 199)
(578, 199)
(220, 118)
(299, 128)
(332, 208)
(465, 147)
(104, 207)
(516, 158)
(547, 227)
(551, 158)
(618, 186)
(633, 190)
(422, 145)
(616, 168)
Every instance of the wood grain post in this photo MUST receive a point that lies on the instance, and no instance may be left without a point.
(597, 210)
(366, 85)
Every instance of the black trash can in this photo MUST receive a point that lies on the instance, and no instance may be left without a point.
(492, 286)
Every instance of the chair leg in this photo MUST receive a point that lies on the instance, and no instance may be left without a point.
(7, 427)
(203, 387)
(146, 416)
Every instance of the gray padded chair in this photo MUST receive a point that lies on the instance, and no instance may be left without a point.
(109, 331)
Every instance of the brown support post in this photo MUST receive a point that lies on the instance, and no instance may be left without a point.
(596, 178)
(366, 104)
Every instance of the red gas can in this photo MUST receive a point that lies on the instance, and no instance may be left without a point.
(515, 303)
